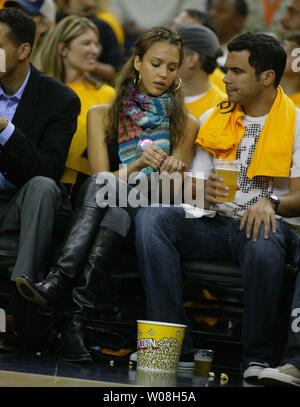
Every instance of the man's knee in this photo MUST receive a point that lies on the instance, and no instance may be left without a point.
(276, 242)
(40, 191)
(156, 218)
(43, 185)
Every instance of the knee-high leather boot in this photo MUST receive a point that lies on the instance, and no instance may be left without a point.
(75, 249)
(93, 285)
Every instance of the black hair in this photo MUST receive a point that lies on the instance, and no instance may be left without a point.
(241, 7)
(208, 64)
(21, 26)
(265, 50)
(203, 18)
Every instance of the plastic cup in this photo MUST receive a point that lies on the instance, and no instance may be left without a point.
(203, 361)
(229, 171)
(159, 345)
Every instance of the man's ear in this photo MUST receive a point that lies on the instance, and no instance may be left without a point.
(268, 77)
(137, 63)
(193, 60)
(24, 51)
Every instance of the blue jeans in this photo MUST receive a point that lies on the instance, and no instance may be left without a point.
(165, 237)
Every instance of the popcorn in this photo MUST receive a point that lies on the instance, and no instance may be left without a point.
(165, 357)
(224, 378)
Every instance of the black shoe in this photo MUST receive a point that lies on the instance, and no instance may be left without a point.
(10, 339)
(73, 347)
(44, 293)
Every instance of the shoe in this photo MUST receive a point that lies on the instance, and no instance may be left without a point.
(254, 369)
(10, 348)
(133, 357)
(285, 374)
(186, 362)
(73, 347)
(45, 293)
(9, 340)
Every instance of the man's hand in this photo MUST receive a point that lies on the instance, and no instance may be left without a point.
(262, 211)
(3, 123)
(211, 185)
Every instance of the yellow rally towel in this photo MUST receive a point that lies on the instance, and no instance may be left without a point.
(223, 130)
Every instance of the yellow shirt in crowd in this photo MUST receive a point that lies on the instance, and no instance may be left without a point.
(296, 99)
(89, 96)
(115, 25)
(211, 98)
(217, 79)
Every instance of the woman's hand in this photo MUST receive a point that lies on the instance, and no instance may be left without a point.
(153, 157)
(172, 164)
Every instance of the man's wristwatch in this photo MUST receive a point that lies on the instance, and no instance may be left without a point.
(274, 199)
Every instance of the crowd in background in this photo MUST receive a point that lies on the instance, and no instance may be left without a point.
(87, 46)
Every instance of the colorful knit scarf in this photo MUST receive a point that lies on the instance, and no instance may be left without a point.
(143, 116)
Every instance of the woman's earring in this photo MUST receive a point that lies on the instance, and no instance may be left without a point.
(178, 86)
(137, 80)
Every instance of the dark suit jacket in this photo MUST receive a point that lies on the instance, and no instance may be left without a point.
(45, 122)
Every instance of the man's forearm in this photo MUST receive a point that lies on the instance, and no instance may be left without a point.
(289, 206)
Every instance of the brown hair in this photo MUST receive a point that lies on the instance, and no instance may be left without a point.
(129, 74)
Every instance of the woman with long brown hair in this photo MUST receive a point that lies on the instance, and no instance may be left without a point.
(148, 110)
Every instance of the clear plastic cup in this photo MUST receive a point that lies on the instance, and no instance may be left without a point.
(229, 171)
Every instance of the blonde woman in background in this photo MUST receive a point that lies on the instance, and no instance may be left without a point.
(70, 54)
(111, 59)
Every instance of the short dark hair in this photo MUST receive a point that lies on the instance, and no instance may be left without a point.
(265, 50)
(22, 27)
(208, 64)
(241, 7)
(203, 18)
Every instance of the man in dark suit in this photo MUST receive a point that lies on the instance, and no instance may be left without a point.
(38, 117)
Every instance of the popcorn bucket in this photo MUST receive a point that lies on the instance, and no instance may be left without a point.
(159, 345)
(154, 378)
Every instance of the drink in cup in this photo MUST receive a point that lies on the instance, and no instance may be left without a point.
(203, 361)
(229, 171)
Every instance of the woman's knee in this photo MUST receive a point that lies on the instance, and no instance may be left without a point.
(118, 220)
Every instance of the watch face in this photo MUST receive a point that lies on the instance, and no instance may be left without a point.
(274, 198)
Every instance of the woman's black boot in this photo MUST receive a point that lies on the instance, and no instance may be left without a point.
(92, 287)
(77, 245)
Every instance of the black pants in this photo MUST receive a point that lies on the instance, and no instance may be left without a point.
(30, 212)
